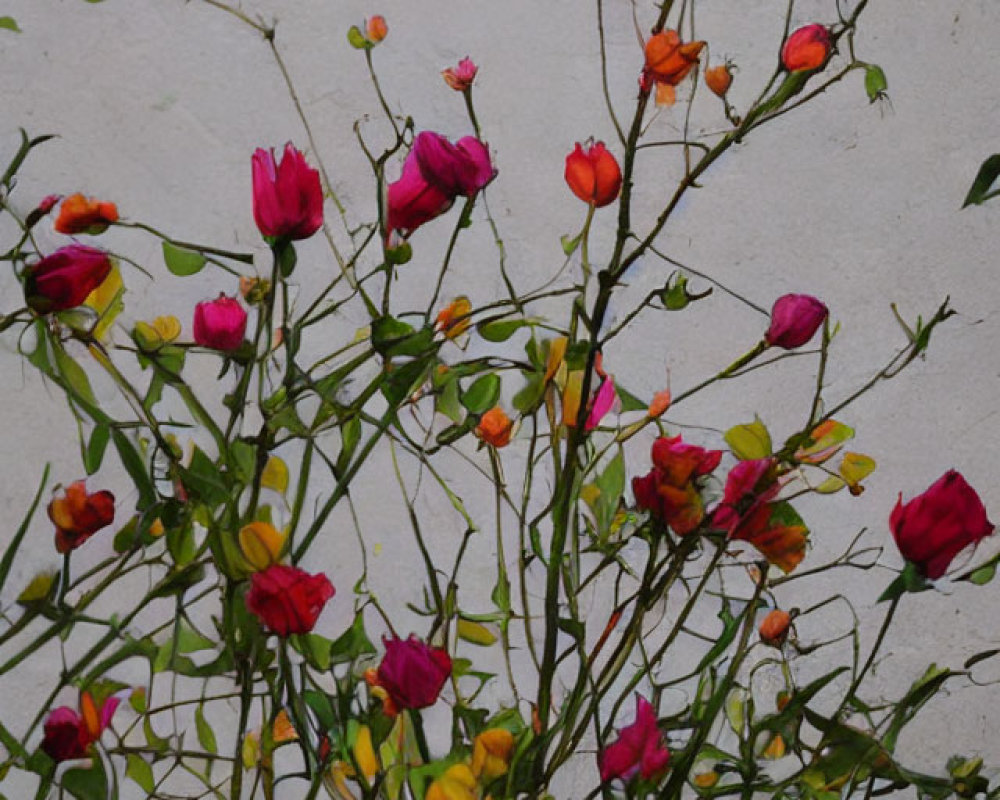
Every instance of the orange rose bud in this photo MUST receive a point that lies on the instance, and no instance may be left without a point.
(774, 629)
(79, 214)
(376, 29)
(495, 427)
(719, 78)
(661, 402)
(806, 49)
(593, 174)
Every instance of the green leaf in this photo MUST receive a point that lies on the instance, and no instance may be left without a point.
(10, 24)
(138, 770)
(352, 643)
(350, 435)
(73, 374)
(315, 649)
(611, 484)
(531, 394)
(357, 39)
(570, 243)
(87, 784)
(393, 337)
(206, 736)
(94, 454)
(736, 703)
(474, 633)
(482, 395)
(11, 548)
(402, 381)
(190, 641)
(980, 192)
(135, 467)
(499, 330)
(909, 580)
(287, 258)
(875, 82)
(750, 441)
(182, 262)
(446, 401)
(983, 575)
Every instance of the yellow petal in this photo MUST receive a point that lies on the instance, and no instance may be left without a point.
(275, 475)
(261, 544)
(364, 753)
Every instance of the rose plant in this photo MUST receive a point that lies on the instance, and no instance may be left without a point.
(228, 664)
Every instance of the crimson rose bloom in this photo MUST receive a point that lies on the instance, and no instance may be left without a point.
(937, 525)
(220, 324)
(64, 279)
(287, 197)
(795, 318)
(413, 672)
(668, 491)
(593, 174)
(78, 515)
(434, 174)
(288, 600)
(639, 749)
(69, 735)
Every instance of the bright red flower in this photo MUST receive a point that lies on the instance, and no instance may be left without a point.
(795, 318)
(79, 214)
(937, 525)
(288, 600)
(412, 672)
(434, 174)
(806, 49)
(639, 749)
(593, 174)
(64, 279)
(220, 323)
(668, 491)
(460, 77)
(287, 197)
(69, 734)
(78, 515)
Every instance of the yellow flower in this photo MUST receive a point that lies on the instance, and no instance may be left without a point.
(491, 752)
(453, 320)
(364, 753)
(261, 544)
(457, 783)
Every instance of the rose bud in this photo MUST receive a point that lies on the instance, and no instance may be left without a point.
(593, 174)
(376, 29)
(495, 427)
(261, 544)
(64, 279)
(718, 79)
(795, 318)
(937, 525)
(774, 629)
(460, 77)
(287, 197)
(806, 49)
(639, 750)
(412, 672)
(288, 600)
(79, 214)
(78, 515)
(435, 172)
(220, 324)
(491, 753)
(69, 735)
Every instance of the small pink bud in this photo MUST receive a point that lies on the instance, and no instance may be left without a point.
(795, 318)
(460, 77)
(220, 324)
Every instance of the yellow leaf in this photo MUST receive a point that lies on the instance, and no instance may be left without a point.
(107, 301)
(275, 475)
(474, 633)
(749, 442)
(854, 468)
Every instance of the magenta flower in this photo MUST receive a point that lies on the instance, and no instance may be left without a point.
(795, 318)
(639, 750)
(64, 279)
(413, 672)
(460, 77)
(937, 525)
(604, 399)
(220, 323)
(69, 735)
(434, 174)
(287, 197)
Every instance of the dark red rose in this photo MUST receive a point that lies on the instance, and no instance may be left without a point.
(937, 525)
(65, 278)
(795, 318)
(287, 599)
(78, 515)
(413, 672)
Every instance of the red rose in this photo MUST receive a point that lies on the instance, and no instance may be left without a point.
(220, 324)
(288, 600)
(64, 279)
(413, 672)
(806, 49)
(593, 174)
(795, 318)
(69, 734)
(78, 515)
(287, 196)
(937, 525)
(668, 491)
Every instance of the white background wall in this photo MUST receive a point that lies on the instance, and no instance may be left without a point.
(159, 104)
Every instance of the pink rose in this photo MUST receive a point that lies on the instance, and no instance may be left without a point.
(460, 78)
(413, 672)
(64, 279)
(287, 197)
(639, 749)
(795, 318)
(220, 323)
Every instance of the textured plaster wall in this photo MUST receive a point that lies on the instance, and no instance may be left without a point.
(159, 104)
